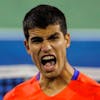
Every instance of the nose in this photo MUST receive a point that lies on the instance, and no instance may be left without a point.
(46, 47)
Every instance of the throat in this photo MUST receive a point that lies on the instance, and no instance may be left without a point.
(52, 87)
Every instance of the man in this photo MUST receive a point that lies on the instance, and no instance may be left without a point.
(46, 41)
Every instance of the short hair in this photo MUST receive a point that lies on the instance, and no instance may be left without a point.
(41, 16)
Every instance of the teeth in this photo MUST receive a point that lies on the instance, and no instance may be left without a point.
(48, 57)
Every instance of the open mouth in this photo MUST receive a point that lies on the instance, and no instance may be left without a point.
(48, 59)
(48, 62)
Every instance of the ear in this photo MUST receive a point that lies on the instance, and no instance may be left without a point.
(67, 40)
(27, 46)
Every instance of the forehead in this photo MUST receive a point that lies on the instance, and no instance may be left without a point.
(51, 29)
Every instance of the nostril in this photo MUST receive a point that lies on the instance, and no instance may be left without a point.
(46, 47)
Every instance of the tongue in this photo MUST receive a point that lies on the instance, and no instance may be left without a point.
(49, 66)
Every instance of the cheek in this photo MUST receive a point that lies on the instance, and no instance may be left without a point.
(60, 46)
(34, 49)
(62, 50)
(34, 53)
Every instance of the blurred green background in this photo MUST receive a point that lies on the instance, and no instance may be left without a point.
(79, 13)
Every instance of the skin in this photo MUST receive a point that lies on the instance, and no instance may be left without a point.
(50, 41)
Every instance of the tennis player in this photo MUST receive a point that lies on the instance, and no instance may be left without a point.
(47, 39)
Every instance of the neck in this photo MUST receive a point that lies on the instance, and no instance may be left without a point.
(51, 84)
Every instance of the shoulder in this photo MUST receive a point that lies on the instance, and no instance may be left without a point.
(89, 85)
(97, 94)
(87, 80)
(86, 87)
(20, 89)
(9, 95)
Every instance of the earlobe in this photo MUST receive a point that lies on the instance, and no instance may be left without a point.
(27, 46)
(67, 39)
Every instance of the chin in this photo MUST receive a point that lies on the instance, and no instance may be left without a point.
(51, 75)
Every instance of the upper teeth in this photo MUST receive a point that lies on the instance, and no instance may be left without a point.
(48, 57)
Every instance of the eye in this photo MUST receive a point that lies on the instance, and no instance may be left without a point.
(36, 40)
(53, 37)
